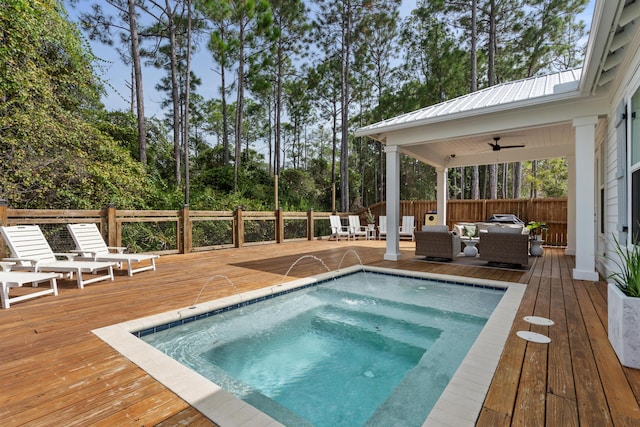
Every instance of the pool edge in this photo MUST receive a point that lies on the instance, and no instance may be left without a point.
(459, 404)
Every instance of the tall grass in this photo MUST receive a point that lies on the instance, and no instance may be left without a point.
(628, 261)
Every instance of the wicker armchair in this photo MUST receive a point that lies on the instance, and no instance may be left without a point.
(503, 246)
(437, 242)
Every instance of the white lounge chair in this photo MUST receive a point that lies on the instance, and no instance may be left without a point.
(407, 228)
(13, 279)
(382, 227)
(90, 245)
(337, 229)
(31, 251)
(355, 228)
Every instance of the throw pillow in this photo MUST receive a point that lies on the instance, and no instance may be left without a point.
(470, 230)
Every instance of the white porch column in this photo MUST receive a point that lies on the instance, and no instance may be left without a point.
(571, 205)
(584, 230)
(441, 195)
(393, 203)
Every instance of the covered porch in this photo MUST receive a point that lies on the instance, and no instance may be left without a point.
(532, 119)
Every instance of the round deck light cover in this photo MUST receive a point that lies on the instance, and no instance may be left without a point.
(537, 320)
(534, 337)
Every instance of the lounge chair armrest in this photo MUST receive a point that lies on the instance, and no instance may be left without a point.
(78, 252)
(84, 254)
(69, 256)
(32, 261)
(119, 249)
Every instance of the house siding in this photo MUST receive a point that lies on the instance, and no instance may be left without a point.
(621, 89)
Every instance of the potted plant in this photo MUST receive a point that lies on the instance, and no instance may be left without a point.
(371, 218)
(536, 229)
(623, 304)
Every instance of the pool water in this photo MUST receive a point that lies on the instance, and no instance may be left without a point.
(363, 349)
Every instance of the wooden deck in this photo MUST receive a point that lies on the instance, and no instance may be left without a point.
(54, 371)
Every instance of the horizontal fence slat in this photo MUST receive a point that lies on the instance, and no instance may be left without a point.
(52, 213)
(143, 219)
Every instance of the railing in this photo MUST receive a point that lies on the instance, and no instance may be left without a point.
(173, 231)
(185, 230)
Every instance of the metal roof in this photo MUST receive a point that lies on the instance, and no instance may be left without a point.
(505, 95)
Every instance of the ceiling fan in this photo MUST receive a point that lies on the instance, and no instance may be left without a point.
(497, 147)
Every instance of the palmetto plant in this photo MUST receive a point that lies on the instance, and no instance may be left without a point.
(628, 261)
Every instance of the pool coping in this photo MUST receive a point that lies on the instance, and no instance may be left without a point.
(459, 404)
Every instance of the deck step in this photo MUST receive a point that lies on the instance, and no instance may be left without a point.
(378, 330)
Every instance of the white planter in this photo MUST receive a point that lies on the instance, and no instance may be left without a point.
(624, 324)
(536, 248)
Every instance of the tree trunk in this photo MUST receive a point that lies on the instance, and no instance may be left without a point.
(474, 45)
(475, 182)
(334, 148)
(132, 103)
(239, 106)
(186, 107)
(534, 184)
(278, 113)
(344, 144)
(491, 66)
(517, 179)
(225, 113)
(505, 180)
(174, 94)
(493, 181)
(137, 71)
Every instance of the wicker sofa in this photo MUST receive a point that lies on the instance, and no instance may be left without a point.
(507, 245)
(436, 241)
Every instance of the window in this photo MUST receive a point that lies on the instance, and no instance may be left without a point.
(635, 129)
(635, 166)
(635, 206)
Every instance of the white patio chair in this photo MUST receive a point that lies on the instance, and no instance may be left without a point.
(355, 228)
(407, 228)
(90, 245)
(337, 229)
(31, 251)
(382, 227)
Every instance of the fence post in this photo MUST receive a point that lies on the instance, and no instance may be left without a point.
(238, 229)
(279, 226)
(4, 205)
(113, 234)
(185, 243)
(310, 227)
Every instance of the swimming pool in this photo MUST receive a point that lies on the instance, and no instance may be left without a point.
(371, 314)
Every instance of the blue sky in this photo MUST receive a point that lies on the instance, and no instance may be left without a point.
(117, 75)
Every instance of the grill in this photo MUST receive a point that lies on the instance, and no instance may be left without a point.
(505, 219)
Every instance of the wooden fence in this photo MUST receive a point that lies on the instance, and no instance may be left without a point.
(185, 230)
(552, 211)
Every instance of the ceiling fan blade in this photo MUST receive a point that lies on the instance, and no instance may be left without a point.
(511, 146)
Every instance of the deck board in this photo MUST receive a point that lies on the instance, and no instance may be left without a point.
(56, 372)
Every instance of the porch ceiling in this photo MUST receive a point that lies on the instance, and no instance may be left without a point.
(542, 142)
(545, 129)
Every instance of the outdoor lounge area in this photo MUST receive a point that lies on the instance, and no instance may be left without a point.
(57, 372)
(500, 243)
